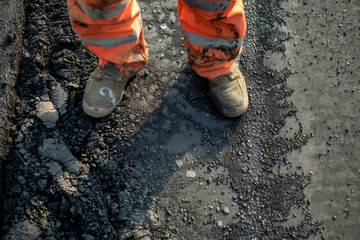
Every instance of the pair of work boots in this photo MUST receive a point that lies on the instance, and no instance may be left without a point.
(104, 90)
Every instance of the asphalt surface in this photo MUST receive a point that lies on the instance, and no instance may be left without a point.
(10, 47)
(323, 54)
(166, 164)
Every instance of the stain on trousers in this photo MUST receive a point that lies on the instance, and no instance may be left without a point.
(113, 30)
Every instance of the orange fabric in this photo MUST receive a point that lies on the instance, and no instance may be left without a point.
(122, 24)
(101, 4)
(229, 23)
(128, 57)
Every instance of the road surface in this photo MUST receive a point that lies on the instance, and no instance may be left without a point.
(165, 164)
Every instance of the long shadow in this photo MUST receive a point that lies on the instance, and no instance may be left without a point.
(183, 127)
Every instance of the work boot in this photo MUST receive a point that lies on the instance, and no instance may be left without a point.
(103, 92)
(229, 93)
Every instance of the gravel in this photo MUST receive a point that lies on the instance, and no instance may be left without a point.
(126, 176)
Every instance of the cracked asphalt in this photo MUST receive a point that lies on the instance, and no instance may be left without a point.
(166, 164)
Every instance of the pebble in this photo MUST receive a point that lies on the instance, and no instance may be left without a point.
(219, 223)
(226, 210)
(190, 174)
(46, 111)
(88, 237)
(42, 184)
(163, 27)
(22, 180)
(58, 96)
(60, 73)
(55, 170)
(132, 117)
(179, 163)
(152, 216)
(172, 17)
(19, 138)
(32, 30)
(141, 234)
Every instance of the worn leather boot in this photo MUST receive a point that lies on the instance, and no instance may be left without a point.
(103, 92)
(229, 93)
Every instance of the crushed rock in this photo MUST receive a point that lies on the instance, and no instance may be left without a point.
(57, 150)
(59, 97)
(46, 111)
(190, 174)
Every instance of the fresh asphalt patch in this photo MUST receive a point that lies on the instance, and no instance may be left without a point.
(165, 164)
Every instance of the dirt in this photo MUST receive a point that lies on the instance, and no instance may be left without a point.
(165, 164)
(10, 46)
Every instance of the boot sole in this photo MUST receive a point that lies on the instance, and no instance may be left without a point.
(231, 112)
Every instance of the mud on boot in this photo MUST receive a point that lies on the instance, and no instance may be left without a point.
(103, 92)
(229, 93)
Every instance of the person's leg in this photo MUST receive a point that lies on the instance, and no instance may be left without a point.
(111, 29)
(213, 33)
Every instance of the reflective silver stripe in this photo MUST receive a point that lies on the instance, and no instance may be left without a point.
(112, 42)
(211, 42)
(210, 6)
(97, 13)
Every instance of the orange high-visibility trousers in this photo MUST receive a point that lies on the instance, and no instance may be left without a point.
(112, 29)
